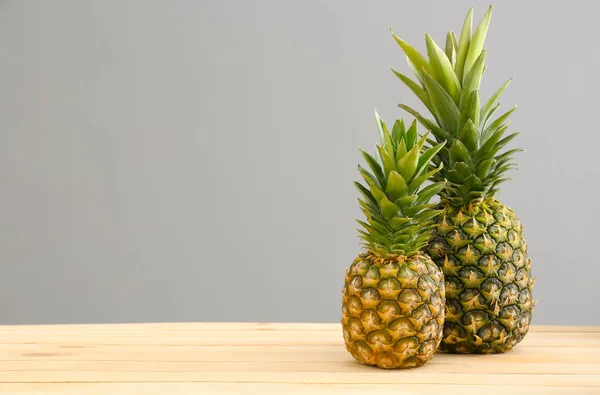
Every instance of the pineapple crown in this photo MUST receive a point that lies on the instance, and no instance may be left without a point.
(448, 85)
(397, 209)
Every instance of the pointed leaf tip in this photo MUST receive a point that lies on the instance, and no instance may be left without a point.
(396, 186)
(441, 68)
(407, 165)
(463, 44)
(477, 40)
(414, 57)
(415, 88)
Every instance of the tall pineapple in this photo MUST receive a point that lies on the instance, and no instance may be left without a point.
(393, 296)
(478, 242)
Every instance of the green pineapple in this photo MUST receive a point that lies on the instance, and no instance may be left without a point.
(478, 242)
(393, 297)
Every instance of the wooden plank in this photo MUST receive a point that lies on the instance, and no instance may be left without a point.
(375, 376)
(222, 326)
(290, 338)
(195, 353)
(224, 357)
(439, 364)
(277, 389)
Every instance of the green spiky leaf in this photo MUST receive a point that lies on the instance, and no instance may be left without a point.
(405, 201)
(365, 192)
(505, 141)
(472, 80)
(407, 165)
(450, 48)
(427, 215)
(472, 182)
(376, 192)
(458, 152)
(477, 40)
(463, 44)
(412, 135)
(384, 135)
(402, 150)
(502, 158)
(497, 124)
(375, 167)
(396, 186)
(419, 62)
(388, 209)
(429, 191)
(428, 123)
(484, 168)
(388, 162)
(489, 144)
(441, 69)
(464, 169)
(399, 222)
(470, 115)
(417, 182)
(415, 88)
(369, 177)
(398, 130)
(492, 101)
(378, 226)
(469, 136)
(423, 139)
(454, 176)
(427, 156)
(444, 107)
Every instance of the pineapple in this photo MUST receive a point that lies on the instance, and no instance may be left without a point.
(393, 297)
(478, 241)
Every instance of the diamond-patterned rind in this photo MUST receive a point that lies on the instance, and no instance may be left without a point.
(393, 310)
(483, 255)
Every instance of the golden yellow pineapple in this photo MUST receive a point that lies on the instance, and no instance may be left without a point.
(393, 296)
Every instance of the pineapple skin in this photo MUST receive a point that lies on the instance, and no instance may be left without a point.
(483, 253)
(393, 310)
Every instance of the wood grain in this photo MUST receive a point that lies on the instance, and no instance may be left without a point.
(275, 358)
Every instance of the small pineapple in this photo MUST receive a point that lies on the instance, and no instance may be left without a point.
(478, 242)
(393, 296)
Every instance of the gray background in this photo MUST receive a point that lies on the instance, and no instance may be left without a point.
(193, 160)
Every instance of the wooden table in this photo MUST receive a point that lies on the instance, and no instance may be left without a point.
(255, 358)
